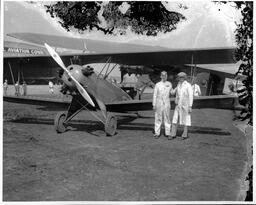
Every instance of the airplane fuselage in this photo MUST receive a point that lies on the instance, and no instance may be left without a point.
(95, 85)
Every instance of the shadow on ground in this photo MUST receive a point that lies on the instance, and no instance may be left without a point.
(123, 124)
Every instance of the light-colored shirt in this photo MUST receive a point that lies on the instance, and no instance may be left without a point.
(161, 94)
(129, 80)
(184, 95)
(196, 90)
(51, 84)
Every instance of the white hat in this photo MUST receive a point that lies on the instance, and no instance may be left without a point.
(163, 73)
(182, 75)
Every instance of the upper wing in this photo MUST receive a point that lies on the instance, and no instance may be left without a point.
(131, 54)
(159, 58)
(92, 46)
(224, 68)
(165, 58)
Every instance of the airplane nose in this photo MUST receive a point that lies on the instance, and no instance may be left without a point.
(87, 70)
(68, 81)
(76, 72)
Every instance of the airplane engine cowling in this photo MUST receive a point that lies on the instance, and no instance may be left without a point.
(76, 72)
(87, 70)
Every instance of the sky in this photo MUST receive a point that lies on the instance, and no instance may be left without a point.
(207, 25)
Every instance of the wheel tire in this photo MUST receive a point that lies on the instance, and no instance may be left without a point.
(59, 120)
(110, 125)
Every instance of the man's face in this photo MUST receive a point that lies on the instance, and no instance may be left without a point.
(181, 79)
(164, 77)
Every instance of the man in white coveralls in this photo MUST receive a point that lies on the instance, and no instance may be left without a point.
(161, 105)
(51, 87)
(183, 109)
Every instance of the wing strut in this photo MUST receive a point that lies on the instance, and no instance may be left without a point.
(192, 68)
(107, 74)
(107, 63)
(11, 73)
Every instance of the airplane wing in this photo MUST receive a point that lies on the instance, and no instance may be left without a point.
(165, 58)
(202, 102)
(93, 46)
(17, 49)
(130, 54)
(40, 78)
(159, 58)
(224, 68)
(41, 101)
(216, 102)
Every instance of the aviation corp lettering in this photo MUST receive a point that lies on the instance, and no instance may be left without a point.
(23, 51)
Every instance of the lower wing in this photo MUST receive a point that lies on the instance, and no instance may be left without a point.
(215, 102)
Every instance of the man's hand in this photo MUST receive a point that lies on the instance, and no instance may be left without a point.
(189, 109)
(173, 91)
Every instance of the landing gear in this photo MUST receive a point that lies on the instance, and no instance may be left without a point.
(59, 120)
(110, 124)
(77, 105)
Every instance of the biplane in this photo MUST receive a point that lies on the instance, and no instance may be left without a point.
(92, 91)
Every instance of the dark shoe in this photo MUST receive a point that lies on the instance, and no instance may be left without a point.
(171, 137)
(184, 138)
(156, 136)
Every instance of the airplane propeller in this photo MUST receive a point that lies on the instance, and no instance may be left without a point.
(58, 60)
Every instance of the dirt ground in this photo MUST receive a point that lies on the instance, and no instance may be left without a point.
(85, 165)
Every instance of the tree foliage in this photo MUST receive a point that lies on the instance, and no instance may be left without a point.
(116, 17)
(244, 51)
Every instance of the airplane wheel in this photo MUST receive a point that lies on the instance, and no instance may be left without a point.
(59, 125)
(111, 125)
